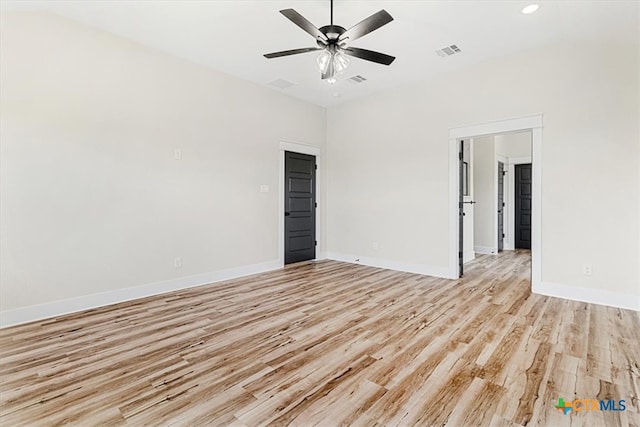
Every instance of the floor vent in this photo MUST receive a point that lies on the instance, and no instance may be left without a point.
(448, 51)
(357, 79)
(281, 84)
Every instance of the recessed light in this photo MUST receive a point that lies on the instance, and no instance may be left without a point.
(530, 9)
(336, 94)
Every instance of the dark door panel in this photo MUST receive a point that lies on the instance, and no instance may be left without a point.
(301, 204)
(300, 207)
(523, 187)
(500, 206)
(461, 209)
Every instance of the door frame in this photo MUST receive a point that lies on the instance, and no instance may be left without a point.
(301, 149)
(516, 124)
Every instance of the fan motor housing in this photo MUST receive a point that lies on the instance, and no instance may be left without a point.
(333, 32)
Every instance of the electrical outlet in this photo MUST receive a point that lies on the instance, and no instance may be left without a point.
(587, 270)
(264, 188)
(375, 246)
(177, 154)
(177, 262)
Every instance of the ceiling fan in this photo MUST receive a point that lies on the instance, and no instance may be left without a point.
(332, 40)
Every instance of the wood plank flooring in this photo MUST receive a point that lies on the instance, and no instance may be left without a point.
(328, 344)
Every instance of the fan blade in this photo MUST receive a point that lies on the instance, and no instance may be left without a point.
(366, 26)
(303, 23)
(291, 52)
(369, 55)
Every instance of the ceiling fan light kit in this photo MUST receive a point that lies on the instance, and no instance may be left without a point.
(333, 41)
(332, 62)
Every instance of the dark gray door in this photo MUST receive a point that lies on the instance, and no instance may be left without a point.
(461, 209)
(299, 207)
(500, 206)
(523, 184)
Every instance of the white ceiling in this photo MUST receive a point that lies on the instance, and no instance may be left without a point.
(231, 36)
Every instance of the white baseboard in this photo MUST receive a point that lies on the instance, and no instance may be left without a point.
(468, 256)
(594, 296)
(486, 250)
(391, 265)
(85, 302)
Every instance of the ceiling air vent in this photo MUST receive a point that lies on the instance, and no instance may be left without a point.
(357, 79)
(448, 51)
(281, 84)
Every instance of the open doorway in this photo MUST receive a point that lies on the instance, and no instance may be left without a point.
(498, 133)
(497, 214)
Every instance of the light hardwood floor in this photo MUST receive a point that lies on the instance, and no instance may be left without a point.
(326, 344)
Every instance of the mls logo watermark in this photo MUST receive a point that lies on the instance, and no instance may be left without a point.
(580, 405)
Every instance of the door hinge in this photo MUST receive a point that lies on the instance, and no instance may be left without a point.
(503, 236)
(315, 243)
(315, 167)
(315, 205)
(460, 156)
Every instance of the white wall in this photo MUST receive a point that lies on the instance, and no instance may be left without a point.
(93, 202)
(388, 163)
(92, 199)
(484, 177)
(514, 144)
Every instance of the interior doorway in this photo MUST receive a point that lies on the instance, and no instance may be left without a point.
(487, 192)
(316, 153)
(299, 207)
(530, 124)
